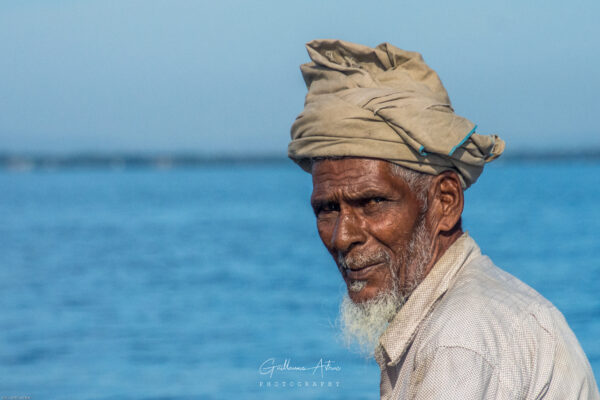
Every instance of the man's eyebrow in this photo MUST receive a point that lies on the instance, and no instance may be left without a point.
(321, 201)
(353, 196)
(367, 193)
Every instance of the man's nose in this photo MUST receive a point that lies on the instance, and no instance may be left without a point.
(347, 232)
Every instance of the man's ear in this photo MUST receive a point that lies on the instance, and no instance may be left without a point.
(446, 202)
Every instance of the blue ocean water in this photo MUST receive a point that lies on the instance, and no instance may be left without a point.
(180, 284)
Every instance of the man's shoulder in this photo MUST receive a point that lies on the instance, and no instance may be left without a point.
(488, 310)
(492, 292)
(518, 332)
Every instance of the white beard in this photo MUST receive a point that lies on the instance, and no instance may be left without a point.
(363, 323)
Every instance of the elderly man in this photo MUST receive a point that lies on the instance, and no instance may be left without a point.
(389, 161)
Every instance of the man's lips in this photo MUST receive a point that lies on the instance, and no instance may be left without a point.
(361, 273)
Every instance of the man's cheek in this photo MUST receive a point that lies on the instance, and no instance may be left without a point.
(324, 234)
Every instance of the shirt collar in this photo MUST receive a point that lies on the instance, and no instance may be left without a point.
(401, 330)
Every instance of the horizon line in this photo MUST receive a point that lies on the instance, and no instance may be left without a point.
(166, 160)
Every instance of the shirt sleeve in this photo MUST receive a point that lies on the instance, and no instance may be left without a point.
(454, 373)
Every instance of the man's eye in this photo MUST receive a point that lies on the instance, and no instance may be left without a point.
(376, 200)
(327, 208)
(331, 207)
(373, 204)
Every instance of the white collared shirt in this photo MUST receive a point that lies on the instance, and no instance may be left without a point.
(473, 331)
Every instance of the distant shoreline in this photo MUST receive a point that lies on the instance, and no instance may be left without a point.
(25, 162)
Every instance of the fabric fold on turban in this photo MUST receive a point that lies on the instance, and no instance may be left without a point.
(384, 103)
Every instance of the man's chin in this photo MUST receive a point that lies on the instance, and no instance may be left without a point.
(365, 294)
(363, 291)
(363, 321)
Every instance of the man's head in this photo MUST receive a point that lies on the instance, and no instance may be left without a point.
(383, 225)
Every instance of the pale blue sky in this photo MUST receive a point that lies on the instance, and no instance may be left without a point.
(223, 76)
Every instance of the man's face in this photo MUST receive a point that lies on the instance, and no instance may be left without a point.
(366, 217)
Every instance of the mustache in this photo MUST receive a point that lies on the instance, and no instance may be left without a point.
(361, 260)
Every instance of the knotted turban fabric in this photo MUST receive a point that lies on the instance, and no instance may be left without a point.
(384, 103)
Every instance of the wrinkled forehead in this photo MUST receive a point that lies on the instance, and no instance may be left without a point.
(354, 175)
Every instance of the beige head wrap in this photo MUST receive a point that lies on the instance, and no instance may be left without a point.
(384, 103)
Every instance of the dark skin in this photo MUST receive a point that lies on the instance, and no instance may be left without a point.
(363, 209)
